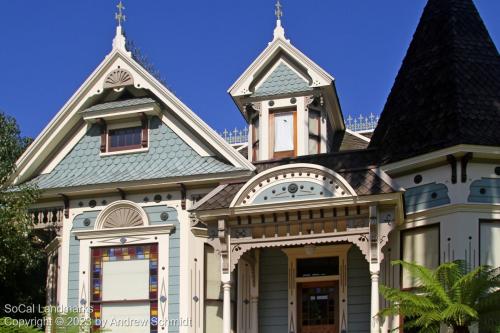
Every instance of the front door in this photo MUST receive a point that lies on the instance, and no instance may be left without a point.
(318, 307)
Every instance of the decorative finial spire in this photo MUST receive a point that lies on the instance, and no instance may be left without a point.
(279, 10)
(119, 41)
(279, 31)
(119, 17)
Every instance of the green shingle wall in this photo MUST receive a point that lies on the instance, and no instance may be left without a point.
(168, 156)
(282, 80)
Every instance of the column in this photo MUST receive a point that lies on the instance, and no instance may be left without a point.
(375, 307)
(254, 303)
(226, 310)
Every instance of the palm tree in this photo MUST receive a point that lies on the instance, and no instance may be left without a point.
(450, 295)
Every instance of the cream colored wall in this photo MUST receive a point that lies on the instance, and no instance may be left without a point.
(459, 221)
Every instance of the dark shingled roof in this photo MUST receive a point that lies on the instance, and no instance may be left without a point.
(447, 91)
(355, 166)
(352, 142)
(223, 198)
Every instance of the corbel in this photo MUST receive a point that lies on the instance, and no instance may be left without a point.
(144, 126)
(374, 233)
(183, 196)
(252, 108)
(463, 164)
(452, 160)
(123, 195)
(221, 235)
(103, 128)
(66, 205)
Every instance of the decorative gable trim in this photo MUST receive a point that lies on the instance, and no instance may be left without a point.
(121, 214)
(294, 182)
(318, 75)
(49, 139)
(318, 79)
(118, 78)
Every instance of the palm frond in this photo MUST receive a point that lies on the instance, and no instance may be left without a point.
(426, 279)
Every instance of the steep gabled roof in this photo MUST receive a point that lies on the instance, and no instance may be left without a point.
(281, 49)
(177, 117)
(168, 156)
(447, 91)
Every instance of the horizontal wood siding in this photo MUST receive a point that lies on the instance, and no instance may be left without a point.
(74, 255)
(273, 309)
(358, 292)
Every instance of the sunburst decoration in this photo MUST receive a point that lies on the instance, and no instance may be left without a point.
(118, 78)
(123, 217)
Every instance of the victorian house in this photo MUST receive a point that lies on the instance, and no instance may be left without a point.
(160, 219)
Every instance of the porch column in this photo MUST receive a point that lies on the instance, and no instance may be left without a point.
(226, 312)
(375, 306)
(254, 303)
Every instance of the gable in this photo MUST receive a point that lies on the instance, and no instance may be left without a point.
(282, 80)
(167, 156)
(180, 119)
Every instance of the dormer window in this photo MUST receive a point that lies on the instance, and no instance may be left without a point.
(124, 124)
(255, 138)
(314, 132)
(283, 136)
(125, 138)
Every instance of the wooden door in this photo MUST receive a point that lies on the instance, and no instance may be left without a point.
(318, 307)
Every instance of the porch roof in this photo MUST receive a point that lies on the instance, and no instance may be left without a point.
(356, 167)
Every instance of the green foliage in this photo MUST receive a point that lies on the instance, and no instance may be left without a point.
(22, 259)
(70, 322)
(7, 326)
(450, 294)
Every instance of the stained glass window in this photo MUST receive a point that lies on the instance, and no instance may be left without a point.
(106, 259)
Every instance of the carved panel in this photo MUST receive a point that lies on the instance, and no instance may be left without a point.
(359, 239)
(118, 78)
(294, 184)
(123, 217)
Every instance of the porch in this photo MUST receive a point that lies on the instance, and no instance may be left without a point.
(299, 251)
(301, 271)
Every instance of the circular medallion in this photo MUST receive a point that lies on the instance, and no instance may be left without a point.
(293, 188)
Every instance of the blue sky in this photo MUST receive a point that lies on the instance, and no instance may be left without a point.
(201, 47)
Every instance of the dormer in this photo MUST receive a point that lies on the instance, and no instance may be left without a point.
(122, 113)
(289, 102)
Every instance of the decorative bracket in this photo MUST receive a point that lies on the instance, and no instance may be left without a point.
(183, 196)
(66, 205)
(103, 129)
(453, 162)
(463, 163)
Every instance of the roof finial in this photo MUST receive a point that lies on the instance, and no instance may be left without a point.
(279, 10)
(279, 31)
(119, 17)
(119, 41)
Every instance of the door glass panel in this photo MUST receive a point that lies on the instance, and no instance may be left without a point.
(319, 309)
